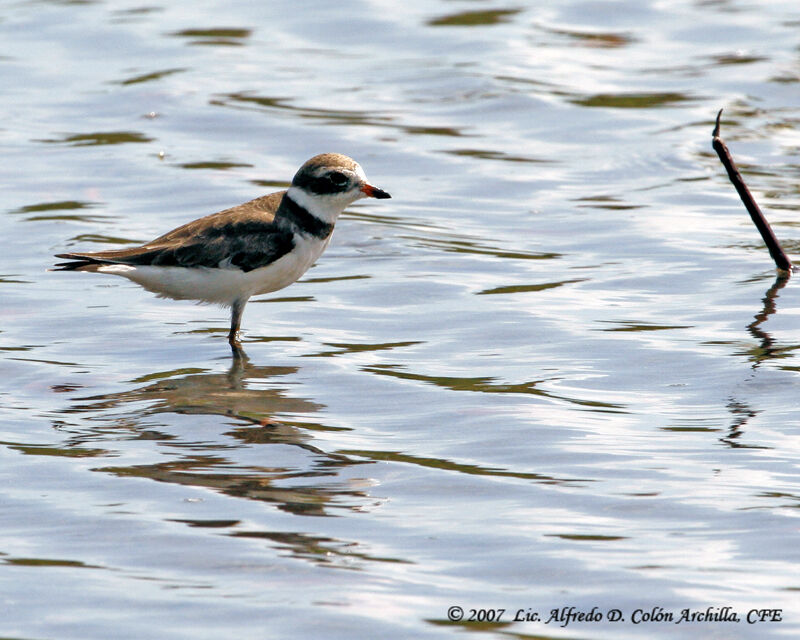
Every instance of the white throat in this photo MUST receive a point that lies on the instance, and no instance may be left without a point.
(324, 207)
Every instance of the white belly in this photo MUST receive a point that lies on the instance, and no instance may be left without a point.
(222, 285)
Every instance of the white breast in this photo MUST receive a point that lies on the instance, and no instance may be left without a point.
(290, 267)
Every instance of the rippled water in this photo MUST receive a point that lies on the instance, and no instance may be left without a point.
(557, 369)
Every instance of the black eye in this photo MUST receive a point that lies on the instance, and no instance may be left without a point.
(337, 178)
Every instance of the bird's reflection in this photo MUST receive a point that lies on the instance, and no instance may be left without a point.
(249, 397)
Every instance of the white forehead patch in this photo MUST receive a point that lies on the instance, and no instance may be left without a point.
(360, 172)
(357, 170)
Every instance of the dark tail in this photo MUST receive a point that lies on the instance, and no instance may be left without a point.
(77, 262)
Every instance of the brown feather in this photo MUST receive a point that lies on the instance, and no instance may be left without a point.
(203, 242)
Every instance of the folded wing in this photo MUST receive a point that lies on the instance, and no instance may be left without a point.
(233, 238)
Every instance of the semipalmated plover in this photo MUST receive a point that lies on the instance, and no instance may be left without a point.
(257, 247)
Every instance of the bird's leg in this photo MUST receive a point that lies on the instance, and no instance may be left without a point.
(237, 308)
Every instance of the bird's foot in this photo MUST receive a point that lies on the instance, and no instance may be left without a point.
(236, 345)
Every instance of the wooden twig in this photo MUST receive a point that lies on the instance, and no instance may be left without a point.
(775, 250)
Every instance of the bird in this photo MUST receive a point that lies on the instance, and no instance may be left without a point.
(257, 247)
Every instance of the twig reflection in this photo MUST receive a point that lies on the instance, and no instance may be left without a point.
(764, 350)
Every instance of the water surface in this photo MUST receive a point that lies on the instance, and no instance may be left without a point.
(557, 369)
